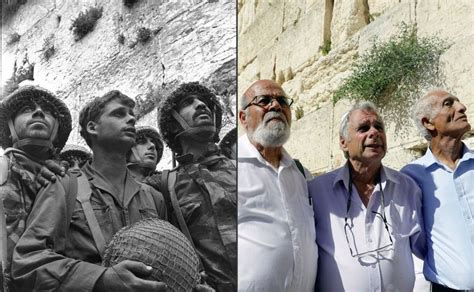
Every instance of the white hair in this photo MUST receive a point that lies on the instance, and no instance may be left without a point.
(425, 108)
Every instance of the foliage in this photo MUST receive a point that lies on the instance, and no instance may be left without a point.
(393, 74)
(129, 3)
(325, 48)
(121, 39)
(48, 48)
(143, 34)
(13, 38)
(85, 22)
(299, 112)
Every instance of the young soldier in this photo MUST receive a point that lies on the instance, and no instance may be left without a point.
(64, 240)
(202, 189)
(34, 125)
(145, 154)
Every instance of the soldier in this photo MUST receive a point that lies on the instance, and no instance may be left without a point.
(34, 125)
(228, 144)
(63, 244)
(202, 189)
(145, 154)
(75, 156)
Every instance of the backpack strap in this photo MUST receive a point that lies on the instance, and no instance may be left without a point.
(84, 193)
(168, 180)
(3, 249)
(4, 169)
(300, 167)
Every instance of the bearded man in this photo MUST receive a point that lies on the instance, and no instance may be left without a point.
(276, 234)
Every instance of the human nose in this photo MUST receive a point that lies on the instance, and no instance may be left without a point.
(374, 132)
(199, 104)
(131, 119)
(274, 105)
(151, 145)
(38, 111)
(461, 107)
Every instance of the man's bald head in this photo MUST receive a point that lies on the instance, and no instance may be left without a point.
(259, 86)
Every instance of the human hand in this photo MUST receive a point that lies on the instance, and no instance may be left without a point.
(127, 276)
(203, 288)
(48, 172)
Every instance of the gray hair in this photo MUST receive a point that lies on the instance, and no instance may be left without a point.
(425, 108)
(360, 105)
(243, 103)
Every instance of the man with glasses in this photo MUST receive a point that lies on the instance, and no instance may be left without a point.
(276, 234)
(446, 176)
(367, 216)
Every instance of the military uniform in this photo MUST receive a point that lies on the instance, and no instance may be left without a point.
(59, 253)
(206, 192)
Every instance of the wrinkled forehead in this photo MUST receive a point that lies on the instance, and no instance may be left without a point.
(33, 102)
(264, 88)
(361, 116)
(437, 97)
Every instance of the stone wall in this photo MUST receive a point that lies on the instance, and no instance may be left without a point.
(190, 40)
(282, 40)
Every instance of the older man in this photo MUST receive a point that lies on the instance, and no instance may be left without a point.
(368, 216)
(277, 249)
(446, 176)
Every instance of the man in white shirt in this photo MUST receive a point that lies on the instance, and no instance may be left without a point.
(367, 216)
(276, 235)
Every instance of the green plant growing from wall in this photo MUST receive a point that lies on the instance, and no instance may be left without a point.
(325, 48)
(48, 50)
(143, 34)
(13, 38)
(299, 112)
(392, 74)
(85, 22)
(129, 3)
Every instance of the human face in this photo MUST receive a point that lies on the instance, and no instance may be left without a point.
(33, 121)
(451, 119)
(116, 125)
(146, 150)
(195, 112)
(267, 125)
(366, 141)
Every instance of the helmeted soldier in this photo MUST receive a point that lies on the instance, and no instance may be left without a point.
(146, 153)
(201, 191)
(75, 155)
(34, 126)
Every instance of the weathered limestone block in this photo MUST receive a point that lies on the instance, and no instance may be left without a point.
(348, 18)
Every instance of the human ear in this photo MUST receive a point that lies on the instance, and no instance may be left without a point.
(243, 118)
(342, 143)
(91, 127)
(427, 124)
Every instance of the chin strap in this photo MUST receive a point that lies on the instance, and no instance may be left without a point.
(192, 130)
(17, 143)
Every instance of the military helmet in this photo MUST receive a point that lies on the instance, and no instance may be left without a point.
(168, 124)
(34, 94)
(75, 151)
(152, 133)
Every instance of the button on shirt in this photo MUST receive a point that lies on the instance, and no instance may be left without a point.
(389, 269)
(276, 235)
(448, 211)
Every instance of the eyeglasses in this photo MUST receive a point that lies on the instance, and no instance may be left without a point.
(381, 215)
(265, 100)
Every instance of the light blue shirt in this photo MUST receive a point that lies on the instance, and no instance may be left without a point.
(385, 267)
(448, 212)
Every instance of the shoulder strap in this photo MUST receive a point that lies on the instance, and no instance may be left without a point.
(4, 171)
(171, 180)
(300, 167)
(84, 193)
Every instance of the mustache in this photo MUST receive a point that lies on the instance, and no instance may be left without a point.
(202, 111)
(274, 115)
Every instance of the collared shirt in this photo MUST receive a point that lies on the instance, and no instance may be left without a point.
(206, 190)
(448, 212)
(59, 253)
(389, 269)
(277, 248)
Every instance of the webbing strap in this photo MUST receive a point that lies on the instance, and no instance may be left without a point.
(84, 193)
(3, 249)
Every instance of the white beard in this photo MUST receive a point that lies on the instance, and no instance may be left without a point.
(272, 134)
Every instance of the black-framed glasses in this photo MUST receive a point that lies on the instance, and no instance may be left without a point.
(381, 215)
(265, 100)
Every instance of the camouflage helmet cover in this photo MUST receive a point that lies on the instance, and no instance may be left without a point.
(34, 94)
(168, 125)
(76, 151)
